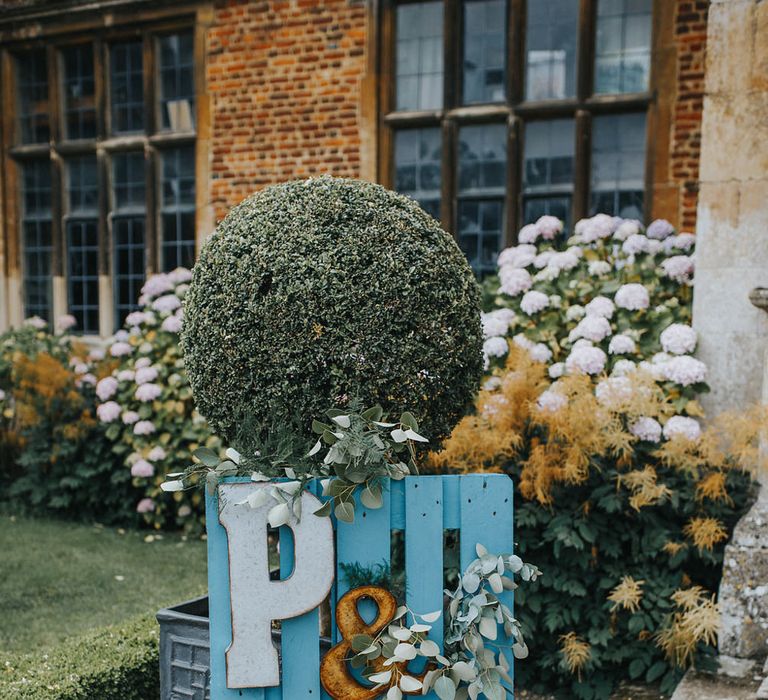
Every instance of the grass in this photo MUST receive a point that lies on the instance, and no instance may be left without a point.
(59, 579)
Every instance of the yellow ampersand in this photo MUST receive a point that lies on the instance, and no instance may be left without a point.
(338, 682)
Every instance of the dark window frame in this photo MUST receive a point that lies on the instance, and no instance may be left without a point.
(514, 112)
(58, 148)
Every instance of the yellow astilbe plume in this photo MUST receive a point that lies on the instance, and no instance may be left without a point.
(627, 594)
(705, 532)
(712, 487)
(673, 548)
(576, 652)
(495, 433)
(645, 489)
(697, 621)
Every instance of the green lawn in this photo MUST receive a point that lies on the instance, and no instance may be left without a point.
(59, 579)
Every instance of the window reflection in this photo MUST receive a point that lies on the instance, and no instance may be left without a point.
(482, 188)
(623, 46)
(618, 165)
(177, 85)
(484, 51)
(419, 56)
(32, 88)
(418, 167)
(79, 92)
(178, 208)
(548, 170)
(551, 35)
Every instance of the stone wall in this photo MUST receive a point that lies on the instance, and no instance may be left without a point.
(732, 226)
(286, 84)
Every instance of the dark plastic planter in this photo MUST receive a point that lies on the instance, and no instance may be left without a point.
(185, 651)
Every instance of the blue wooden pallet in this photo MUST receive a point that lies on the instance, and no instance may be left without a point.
(479, 506)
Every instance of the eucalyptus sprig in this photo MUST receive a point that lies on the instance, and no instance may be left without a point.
(363, 450)
(473, 664)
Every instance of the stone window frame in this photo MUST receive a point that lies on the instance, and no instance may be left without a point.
(100, 30)
(516, 111)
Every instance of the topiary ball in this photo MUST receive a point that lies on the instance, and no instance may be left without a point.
(311, 294)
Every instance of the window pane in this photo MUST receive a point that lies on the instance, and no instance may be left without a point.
(551, 31)
(36, 238)
(623, 46)
(419, 52)
(548, 169)
(418, 165)
(178, 208)
(618, 165)
(32, 79)
(128, 236)
(483, 159)
(128, 181)
(83, 185)
(127, 87)
(79, 92)
(83, 273)
(177, 85)
(482, 187)
(484, 51)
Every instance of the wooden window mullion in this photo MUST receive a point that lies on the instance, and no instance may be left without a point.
(448, 176)
(515, 51)
(582, 165)
(453, 50)
(512, 203)
(586, 50)
(56, 106)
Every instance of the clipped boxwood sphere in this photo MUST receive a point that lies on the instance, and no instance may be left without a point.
(312, 293)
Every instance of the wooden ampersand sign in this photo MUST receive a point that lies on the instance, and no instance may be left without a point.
(335, 676)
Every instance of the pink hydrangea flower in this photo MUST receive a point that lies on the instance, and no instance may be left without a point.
(533, 302)
(157, 454)
(125, 375)
(167, 303)
(145, 375)
(120, 348)
(514, 281)
(633, 297)
(65, 322)
(541, 353)
(679, 268)
(142, 469)
(627, 228)
(682, 241)
(172, 324)
(130, 417)
(659, 229)
(35, 322)
(586, 360)
(635, 244)
(156, 285)
(646, 428)
(148, 392)
(136, 318)
(144, 427)
(600, 306)
(684, 370)
(614, 392)
(551, 401)
(106, 388)
(678, 339)
(517, 256)
(495, 347)
(594, 328)
(549, 227)
(145, 505)
(180, 275)
(599, 226)
(528, 234)
(108, 412)
(621, 345)
(682, 427)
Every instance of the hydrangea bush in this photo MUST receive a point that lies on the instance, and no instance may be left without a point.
(610, 300)
(622, 496)
(145, 403)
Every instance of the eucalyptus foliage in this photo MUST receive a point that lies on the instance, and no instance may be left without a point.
(313, 292)
(472, 664)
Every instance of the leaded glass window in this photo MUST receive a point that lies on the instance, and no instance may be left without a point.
(550, 40)
(79, 92)
(417, 167)
(177, 85)
(178, 208)
(126, 69)
(36, 238)
(419, 51)
(32, 90)
(484, 51)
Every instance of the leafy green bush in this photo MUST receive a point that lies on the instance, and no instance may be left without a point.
(115, 663)
(327, 290)
(55, 459)
(622, 498)
(146, 409)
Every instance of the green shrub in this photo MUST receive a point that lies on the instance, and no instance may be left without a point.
(114, 663)
(146, 409)
(324, 290)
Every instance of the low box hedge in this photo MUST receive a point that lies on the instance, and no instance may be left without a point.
(113, 663)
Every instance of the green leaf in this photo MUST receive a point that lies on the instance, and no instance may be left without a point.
(345, 512)
(319, 428)
(361, 641)
(656, 671)
(373, 413)
(445, 688)
(371, 497)
(207, 456)
(636, 668)
(409, 420)
(324, 510)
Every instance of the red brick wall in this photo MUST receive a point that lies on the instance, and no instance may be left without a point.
(284, 81)
(685, 147)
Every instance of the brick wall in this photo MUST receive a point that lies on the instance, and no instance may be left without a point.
(284, 82)
(685, 144)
